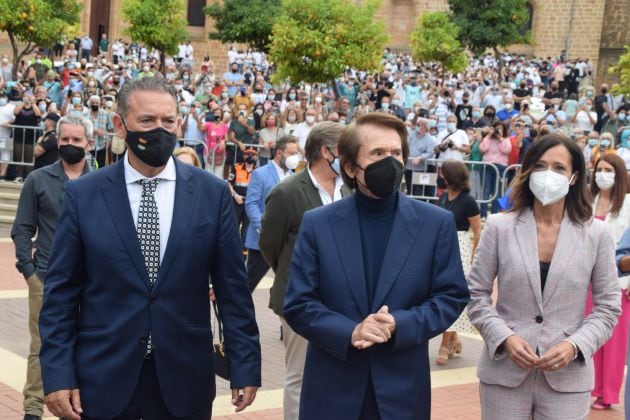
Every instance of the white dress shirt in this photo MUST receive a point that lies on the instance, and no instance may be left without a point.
(323, 194)
(164, 197)
(281, 172)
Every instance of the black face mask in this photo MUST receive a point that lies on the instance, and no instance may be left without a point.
(153, 147)
(71, 154)
(94, 108)
(604, 91)
(251, 160)
(383, 177)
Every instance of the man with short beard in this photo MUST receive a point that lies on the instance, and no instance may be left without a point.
(38, 210)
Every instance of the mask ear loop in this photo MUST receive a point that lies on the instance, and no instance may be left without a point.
(571, 179)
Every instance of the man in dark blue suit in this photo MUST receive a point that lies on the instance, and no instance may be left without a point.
(125, 323)
(373, 277)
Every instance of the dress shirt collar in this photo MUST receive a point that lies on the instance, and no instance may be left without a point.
(132, 175)
(338, 181)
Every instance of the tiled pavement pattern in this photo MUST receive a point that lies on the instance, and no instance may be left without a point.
(454, 395)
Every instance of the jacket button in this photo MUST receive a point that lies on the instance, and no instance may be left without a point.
(539, 319)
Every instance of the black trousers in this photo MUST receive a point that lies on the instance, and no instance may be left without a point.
(147, 402)
(256, 268)
(242, 221)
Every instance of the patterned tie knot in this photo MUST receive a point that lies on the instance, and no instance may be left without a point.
(149, 185)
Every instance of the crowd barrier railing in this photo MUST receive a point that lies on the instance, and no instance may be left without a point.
(18, 142)
(425, 184)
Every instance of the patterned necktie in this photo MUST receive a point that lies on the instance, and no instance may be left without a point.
(149, 234)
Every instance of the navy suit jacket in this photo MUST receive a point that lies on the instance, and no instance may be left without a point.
(99, 306)
(260, 185)
(422, 283)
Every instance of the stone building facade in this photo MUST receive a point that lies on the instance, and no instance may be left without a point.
(597, 29)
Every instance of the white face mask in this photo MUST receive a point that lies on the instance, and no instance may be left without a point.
(605, 180)
(548, 186)
(310, 119)
(292, 162)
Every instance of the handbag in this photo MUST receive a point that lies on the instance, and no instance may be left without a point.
(219, 353)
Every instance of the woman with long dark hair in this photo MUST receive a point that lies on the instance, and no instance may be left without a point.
(545, 254)
(609, 187)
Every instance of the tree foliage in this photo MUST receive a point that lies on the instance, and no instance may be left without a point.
(489, 24)
(159, 24)
(244, 21)
(36, 23)
(622, 70)
(315, 40)
(435, 39)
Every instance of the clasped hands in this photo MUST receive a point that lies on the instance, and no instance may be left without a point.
(374, 329)
(521, 353)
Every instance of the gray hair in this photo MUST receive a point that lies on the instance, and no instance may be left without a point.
(422, 122)
(151, 84)
(75, 119)
(326, 133)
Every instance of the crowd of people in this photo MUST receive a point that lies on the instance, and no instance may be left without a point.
(289, 148)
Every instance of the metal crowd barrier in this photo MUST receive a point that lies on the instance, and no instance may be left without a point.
(20, 145)
(479, 172)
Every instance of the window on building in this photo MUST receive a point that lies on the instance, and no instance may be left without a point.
(530, 18)
(196, 17)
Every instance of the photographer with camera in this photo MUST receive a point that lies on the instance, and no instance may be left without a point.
(453, 143)
(496, 148)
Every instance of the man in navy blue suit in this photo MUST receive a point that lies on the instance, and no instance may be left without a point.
(373, 277)
(125, 323)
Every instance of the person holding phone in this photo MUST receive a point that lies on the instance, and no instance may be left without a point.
(192, 128)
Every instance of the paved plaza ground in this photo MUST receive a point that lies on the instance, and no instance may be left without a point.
(455, 387)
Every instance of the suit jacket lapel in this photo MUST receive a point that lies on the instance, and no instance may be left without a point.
(117, 201)
(562, 254)
(274, 173)
(399, 246)
(347, 234)
(525, 232)
(182, 210)
(309, 189)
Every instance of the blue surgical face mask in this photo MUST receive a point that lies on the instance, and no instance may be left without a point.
(593, 142)
(476, 114)
(335, 165)
(3, 101)
(625, 137)
(432, 123)
(621, 117)
(76, 101)
(451, 127)
(605, 143)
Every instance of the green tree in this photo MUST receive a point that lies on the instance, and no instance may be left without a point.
(35, 23)
(491, 25)
(622, 70)
(159, 24)
(315, 40)
(244, 21)
(435, 39)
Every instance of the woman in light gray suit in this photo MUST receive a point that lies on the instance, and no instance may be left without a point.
(545, 253)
